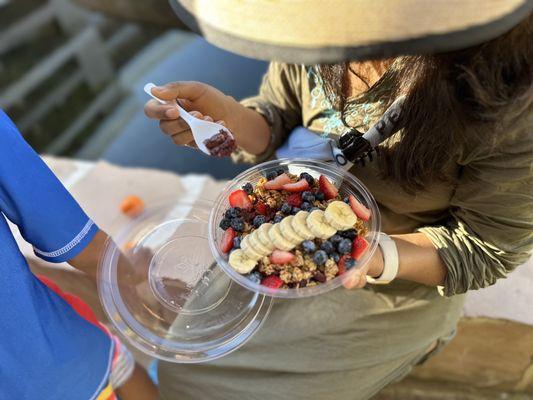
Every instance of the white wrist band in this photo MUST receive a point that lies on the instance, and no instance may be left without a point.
(390, 261)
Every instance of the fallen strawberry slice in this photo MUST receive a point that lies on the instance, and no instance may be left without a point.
(359, 246)
(272, 281)
(227, 240)
(360, 210)
(277, 183)
(294, 200)
(326, 187)
(280, 257)
(239, 198)
(299, 186)
(262, 208)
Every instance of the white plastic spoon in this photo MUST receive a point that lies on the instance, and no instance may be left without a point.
(201, 129)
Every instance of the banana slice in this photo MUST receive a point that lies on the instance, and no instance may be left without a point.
(340, 215)
(288, 232)
(240, 262)
(257, 245)
(262, 235)
(299, 225)
(249, 250)
(316, 222)
(279, 240)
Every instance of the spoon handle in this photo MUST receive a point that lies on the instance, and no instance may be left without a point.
(183, 114)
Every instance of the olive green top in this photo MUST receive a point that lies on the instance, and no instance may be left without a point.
(348, 344)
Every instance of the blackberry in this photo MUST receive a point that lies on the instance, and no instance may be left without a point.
(237, 242)
(320, 257)
(278, 218)
(237, 224)
(336, 257)
(328, 247)
(308, 178)
(233, 212)
(259, 220)
(308, 196)
(295, 210)
(286, 208)
(271, 175)
(306, 206)
(349, 234)
(248, 188)
(308, 246)
(225, 223)
(350, 263)
(345, 246)
(320, 196)
(335, 239)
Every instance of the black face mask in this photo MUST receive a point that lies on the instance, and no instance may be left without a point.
(356, 146)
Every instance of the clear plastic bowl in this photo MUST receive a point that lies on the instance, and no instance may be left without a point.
(343, 180)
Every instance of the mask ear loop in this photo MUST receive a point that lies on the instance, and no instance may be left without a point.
(356, 147)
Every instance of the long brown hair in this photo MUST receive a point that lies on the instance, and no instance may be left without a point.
(453, 100)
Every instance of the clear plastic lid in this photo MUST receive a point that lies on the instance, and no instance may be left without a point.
(163, 290)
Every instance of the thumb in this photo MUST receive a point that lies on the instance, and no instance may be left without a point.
(188, 90)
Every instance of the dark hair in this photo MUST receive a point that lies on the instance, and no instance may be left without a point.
(452, 100)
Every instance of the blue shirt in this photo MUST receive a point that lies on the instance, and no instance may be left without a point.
(47, 351)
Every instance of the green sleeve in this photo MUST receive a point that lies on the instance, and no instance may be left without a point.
(279, 102)
(490, 231)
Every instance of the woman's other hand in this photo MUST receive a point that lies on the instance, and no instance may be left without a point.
(374, 268)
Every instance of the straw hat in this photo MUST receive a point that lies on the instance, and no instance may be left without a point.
(315, 31)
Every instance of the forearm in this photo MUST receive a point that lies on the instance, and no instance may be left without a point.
(250, 129)
(87, 260)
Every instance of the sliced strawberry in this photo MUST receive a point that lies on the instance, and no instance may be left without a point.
(227, 240)
(277, 183)
(326, 187)
(280, 257)
(359, 246)
(342, 264)
(299, 186)
(360, 210)
(239, 198)
(262, 208)
(272, 281)
(294, 200)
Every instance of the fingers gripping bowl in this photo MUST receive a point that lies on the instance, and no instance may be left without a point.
(293, 228)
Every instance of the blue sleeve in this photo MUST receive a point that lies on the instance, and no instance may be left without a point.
(34, 199)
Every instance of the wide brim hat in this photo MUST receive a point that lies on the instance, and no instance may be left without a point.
(329, 31)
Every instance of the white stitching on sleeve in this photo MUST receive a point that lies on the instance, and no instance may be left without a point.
(69, 246)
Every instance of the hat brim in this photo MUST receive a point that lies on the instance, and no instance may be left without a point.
(465, 34)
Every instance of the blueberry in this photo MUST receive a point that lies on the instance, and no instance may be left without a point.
(346, 200)
(286, 208)
(281, 170)
(308, 178)
(350, 263)
(335, 239)
(237, 242)
(349, 234)
(225, 223)
(308, 246)
(345, 246)
(336, 257)
(328, 247)
(255, 277)
(233, 212)
(259, 220)
(237, 224)
(278, 218)
(271, 175)
(308, 196)
(248, 188)
(306, 206)
(295, 210)
(320, 196)
(320, 257)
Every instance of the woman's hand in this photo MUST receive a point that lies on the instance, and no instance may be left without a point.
(374, 268)
(200, 100)
(249, 128)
